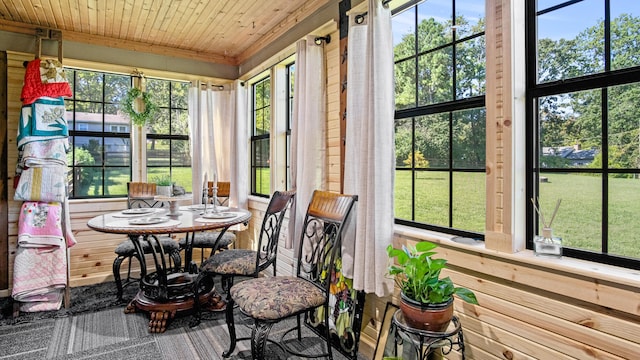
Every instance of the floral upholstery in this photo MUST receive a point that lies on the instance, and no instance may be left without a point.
(207, 239)
(232, 262)
(126, 247)
(274, 298)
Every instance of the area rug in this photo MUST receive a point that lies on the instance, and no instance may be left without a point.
(83, 299)
(96, 327)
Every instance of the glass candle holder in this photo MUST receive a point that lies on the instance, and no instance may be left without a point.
(546, 244)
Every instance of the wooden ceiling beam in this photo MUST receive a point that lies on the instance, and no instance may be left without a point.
(28, 29)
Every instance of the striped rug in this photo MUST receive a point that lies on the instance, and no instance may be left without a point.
(111, 334)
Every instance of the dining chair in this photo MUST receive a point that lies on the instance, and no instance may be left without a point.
(141, 195)
(209, 239)
(246, 262)
(268, 300)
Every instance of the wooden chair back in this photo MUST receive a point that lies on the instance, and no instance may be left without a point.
(141, 194)
(224, 188)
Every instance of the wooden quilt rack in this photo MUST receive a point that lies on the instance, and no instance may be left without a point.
(48, 34)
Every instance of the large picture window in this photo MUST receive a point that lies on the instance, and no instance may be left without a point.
(100, 134)
(583, 82)
(440, 130)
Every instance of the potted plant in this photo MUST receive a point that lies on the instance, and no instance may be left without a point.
(426, 299)
(164, 186)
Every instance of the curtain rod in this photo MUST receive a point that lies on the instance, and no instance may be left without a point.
(360, 17)
(220, 87)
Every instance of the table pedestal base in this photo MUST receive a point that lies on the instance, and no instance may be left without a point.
(161, 312)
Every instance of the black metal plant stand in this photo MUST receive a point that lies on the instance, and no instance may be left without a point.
(421, 343)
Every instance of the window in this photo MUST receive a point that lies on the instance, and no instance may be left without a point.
(440, 131)
(260, 142)
(100, 135)
(291, 71)
(583, 91)
(99, 138)
(168, 135)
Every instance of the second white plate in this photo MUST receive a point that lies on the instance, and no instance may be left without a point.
(149, 220)
(138, 211)
(220, 215)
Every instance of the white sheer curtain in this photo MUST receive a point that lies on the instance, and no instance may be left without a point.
(307, 131)
(370, 150)
(203, 156)
(239, 157)
(217, 131)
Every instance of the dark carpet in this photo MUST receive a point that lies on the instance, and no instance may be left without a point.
(95, 327)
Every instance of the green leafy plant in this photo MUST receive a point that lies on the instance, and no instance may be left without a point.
(418, 275)
(150, 108)
(162, 180)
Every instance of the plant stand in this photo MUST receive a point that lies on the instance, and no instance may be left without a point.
(408, 343)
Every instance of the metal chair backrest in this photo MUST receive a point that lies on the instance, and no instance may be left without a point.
(321, 237)
(270, 229)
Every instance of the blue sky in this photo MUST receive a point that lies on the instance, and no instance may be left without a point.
(564, 23)
(569, 21)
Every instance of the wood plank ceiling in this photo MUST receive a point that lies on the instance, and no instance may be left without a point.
(220, 31)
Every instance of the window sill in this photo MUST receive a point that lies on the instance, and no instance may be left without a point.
(570, 266)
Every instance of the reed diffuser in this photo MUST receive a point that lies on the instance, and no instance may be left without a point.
(546, 244)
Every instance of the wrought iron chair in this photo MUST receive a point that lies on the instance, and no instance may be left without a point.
(140, 195)
(209, 239)
(267, 300)
(243, 262)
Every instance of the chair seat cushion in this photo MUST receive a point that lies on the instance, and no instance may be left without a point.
(126, 247)
(207, 239)
(231, 262)
(273, 298)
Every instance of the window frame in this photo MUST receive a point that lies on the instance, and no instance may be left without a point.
(255, 139)
(446, 107)
(82, 130)
(534, 90)
(170, 137)
(103, 135)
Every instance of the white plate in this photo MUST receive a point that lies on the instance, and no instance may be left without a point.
(196, 207)
(149, 220)
(138, 211)
(220, 215)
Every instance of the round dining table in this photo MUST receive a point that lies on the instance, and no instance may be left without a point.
(168, 289)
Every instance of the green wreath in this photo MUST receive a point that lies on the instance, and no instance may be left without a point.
(139, 118)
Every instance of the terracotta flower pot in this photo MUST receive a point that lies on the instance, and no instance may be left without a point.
(431, 317)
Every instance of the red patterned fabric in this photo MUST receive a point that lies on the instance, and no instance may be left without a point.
(46, 80)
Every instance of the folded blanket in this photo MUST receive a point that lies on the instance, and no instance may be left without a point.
(40, 225)
(44, 119)
(44, 78)
(50, 301)
(42, 184)
(45, 153)
(39, 275)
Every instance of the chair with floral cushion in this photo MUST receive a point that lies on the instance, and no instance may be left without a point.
(267, 300)
(244, 262)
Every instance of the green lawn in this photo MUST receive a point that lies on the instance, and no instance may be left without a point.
(577, 222)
